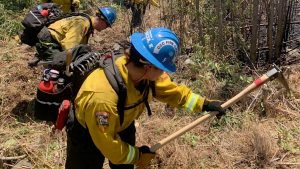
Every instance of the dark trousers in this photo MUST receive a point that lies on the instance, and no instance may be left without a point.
(82, 152)
(47, 47)
(138, 12)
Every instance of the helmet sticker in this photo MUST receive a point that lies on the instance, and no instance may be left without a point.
(148, 36)
(150, 46)
(164, 43)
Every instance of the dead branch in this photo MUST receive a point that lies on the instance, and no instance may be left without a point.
(13, 158)
(253, 101)
(31, 153)
(288, 163)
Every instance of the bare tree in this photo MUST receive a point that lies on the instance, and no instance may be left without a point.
(270, 30)
(219, 9)
(281, 7)
(199, 23)
(255, 25)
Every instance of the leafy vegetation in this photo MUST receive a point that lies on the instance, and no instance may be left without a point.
(9, 25)
(17, 5)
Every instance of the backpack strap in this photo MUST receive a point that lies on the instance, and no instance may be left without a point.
(144, 100)
(152, 87)
(114, 77)
(116, 81)
(91, 28)
(86, 64)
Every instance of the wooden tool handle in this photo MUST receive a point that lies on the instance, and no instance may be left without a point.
(263, 79)
(68, 62)
(257, 83)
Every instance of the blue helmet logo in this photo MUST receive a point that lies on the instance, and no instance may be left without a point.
(159, 46)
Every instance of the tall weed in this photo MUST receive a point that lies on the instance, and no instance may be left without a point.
(9, 23)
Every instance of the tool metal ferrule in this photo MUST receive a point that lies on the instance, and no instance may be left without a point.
(272, 73)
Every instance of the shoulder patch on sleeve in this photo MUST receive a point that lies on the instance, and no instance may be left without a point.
(102, 119)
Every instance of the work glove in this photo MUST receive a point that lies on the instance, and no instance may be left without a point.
(214, 105)
(145, 157)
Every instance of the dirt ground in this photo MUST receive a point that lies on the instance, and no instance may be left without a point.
(246, 140)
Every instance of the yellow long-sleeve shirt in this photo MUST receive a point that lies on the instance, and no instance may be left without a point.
(64, 5)
(152, 2)
(96, 96)
(70, 31)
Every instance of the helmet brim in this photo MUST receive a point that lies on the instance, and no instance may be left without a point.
(106, 18)
(136, 41)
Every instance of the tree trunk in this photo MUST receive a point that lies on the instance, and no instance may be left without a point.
(270, 30)
(254, 32)
(199, 22)
(181, 23)
(289, 15)
(220, 33)
(280, 28)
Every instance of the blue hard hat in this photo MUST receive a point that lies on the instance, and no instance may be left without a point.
(159, 46)
(109, 15)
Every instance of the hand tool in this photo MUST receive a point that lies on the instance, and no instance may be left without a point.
(270, 75)
(68, 62)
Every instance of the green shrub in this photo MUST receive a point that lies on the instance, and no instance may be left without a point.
(16, 5)
(9, 23)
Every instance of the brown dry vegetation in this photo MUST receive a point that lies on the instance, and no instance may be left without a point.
(262, 131)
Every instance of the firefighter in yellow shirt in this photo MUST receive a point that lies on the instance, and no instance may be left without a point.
(138, 9)
(98, 131)
(66, 5)
(66, 33)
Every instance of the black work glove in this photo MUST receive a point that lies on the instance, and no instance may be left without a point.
(214, 105)
(145, 157)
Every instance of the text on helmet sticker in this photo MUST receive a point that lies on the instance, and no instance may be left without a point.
(164, 43)
(148, 36)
